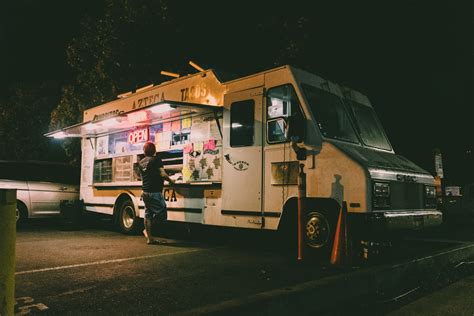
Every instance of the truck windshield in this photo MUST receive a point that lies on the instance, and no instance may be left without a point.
(370, 129)
(330, 113)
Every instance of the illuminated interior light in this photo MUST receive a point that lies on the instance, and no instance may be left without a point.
(136, 117)
(162, 108)
(236, 125)
(59, 135)
(138, 136)
(109, 122)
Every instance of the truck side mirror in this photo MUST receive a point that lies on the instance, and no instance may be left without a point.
(296, 128)
(301, 152)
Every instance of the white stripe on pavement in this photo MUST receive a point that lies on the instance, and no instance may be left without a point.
(108, 261)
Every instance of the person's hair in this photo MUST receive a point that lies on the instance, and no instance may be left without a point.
(149, 149)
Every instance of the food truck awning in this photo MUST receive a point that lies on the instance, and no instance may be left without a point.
(155, 113)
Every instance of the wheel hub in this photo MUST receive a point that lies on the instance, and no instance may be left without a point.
(317, 230)
(127, 217)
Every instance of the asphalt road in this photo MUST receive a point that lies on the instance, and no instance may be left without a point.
(96, 270)
(453, 300)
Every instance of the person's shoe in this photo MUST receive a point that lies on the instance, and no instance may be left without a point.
(156, 242)
(152, 242)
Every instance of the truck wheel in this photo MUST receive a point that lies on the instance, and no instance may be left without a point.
(319, 227)
(21, 212)
(128, 221)
(317, 231)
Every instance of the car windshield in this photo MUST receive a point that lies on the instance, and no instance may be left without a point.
(370, 129)
(330, 114)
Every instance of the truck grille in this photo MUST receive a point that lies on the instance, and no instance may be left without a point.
(406, 196)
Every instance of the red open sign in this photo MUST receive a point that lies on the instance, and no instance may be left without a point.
(138, 136)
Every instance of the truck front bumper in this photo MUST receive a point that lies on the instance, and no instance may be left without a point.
(386, 221)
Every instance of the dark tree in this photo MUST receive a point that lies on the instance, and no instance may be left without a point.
(24, 118)
(120, 51)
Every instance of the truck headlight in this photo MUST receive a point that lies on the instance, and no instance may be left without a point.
(381, 195)
(430, 196)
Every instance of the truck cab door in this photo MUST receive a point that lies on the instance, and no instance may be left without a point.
(242, 163)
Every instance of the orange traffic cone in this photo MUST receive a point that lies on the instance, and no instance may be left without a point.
(341, 250)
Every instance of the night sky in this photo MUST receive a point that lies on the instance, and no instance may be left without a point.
(414, 60)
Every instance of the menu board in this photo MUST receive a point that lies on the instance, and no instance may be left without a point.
(199, 129)
(202, 161)
(197, 138)
(102, 148)
(123, 168)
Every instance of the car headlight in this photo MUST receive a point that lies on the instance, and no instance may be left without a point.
(381, 195)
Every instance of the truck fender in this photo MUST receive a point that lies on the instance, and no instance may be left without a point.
(312, 203)
(123, 196)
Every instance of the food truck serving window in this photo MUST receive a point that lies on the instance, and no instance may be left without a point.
(242, 121)
(103, 170)
(123, 168)
(330, 113)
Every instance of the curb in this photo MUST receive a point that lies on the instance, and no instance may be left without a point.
(324, 294)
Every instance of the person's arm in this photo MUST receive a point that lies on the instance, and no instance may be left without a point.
(165, 176)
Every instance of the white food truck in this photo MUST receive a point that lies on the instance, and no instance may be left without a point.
(230, 146)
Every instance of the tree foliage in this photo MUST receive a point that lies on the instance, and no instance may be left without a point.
(24, 118)
(132, 41)
(110, 56)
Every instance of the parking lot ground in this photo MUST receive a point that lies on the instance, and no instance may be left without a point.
(453, 300)
(96, 270)
(99, 271)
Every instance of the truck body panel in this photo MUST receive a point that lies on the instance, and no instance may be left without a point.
(230, 144)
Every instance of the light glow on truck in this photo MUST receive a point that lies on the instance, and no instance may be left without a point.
(162, 108)
(136, 117)
(109, 122)
(59, 135)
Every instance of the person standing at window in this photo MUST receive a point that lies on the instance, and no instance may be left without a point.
(153, 173)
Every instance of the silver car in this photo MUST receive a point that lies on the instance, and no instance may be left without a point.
(40, 186)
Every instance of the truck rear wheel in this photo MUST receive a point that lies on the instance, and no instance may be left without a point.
(128, 221)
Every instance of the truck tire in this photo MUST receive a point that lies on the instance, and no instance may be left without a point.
(21, 213)
(318, 227)
(128, 221)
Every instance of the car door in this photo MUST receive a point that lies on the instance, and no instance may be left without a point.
(11, 178)
(47, 188)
